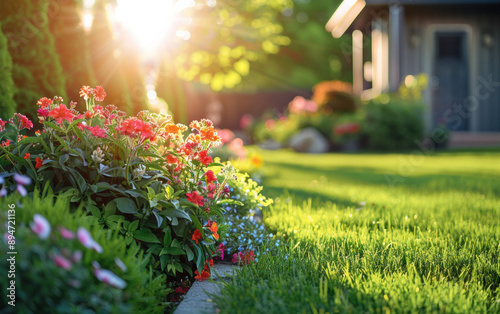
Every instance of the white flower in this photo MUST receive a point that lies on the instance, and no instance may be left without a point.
(98, 155)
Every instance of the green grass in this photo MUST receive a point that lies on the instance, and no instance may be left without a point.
(428, 241)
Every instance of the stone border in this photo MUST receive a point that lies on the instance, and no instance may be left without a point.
(197, 299)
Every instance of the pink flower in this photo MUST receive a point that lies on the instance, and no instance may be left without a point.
(40, 226)
(110, 278)
(221, 249)
(86, 240)
(245, 121)
(97, 131)
(67, 234)
(62, 262)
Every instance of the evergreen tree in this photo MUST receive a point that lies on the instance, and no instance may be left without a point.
(7, 104)
(105, 56)
(72, 46)
(36, 71)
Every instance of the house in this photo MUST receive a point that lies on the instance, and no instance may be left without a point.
(456, 43)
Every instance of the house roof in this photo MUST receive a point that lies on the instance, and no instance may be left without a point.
(348, 10)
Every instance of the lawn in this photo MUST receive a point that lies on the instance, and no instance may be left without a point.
(426, 241)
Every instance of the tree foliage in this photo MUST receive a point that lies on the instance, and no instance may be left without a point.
(106, 62)
(71, 45)
(36, 70)
(226, 37)
(7, 104)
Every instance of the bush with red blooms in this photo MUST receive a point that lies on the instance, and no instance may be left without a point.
(149, 178)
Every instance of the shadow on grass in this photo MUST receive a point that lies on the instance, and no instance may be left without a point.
(427, 183)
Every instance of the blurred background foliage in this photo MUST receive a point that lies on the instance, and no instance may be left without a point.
(244, 46)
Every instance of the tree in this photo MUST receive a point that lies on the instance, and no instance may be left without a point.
(72, 46)
(312, 55)
(36, 71)
(7, 104)
(105, 55)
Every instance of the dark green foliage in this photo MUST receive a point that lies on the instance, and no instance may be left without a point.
(7, 104)
(72, 46)
(396, 124)
(106, 61)
(37, 71)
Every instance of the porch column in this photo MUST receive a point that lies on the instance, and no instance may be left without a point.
(357, 62)
(396, 25)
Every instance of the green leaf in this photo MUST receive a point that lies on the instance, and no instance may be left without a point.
(163, 260)
(30, 140)
(172, 251)
(167, 239)
(2, 134)
(94, 210)
(133, 226)
(159, 219)
(63, 159)
(81, 182)
(136, 193)
(126, 205)
(215, 164)
(53, 126)
(189, 252)
(230, 201)
(197, 224)
(146, 235)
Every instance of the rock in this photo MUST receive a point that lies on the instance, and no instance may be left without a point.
(309, 140)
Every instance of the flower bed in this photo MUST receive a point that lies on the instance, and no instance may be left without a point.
(144, 177)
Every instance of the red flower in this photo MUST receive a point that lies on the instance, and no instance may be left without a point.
(99, 93)
(2, 124)
(181, 290)
(210, 262)
(204, 158)
(27, 156)
(205, 274)
(42, 113)
(44, 103)
(25, 122)
(39, 163)
(196, 236)
(86, 92)
(6, 143)
(171, 159)
(210, 176)
(244, 258)
(61, 113)
(89, 115)
(97, 131)
(195, 198)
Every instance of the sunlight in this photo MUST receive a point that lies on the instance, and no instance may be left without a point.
(150, 22)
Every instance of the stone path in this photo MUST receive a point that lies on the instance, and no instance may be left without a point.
(197, 299)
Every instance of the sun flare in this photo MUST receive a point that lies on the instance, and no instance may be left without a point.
(150, 22)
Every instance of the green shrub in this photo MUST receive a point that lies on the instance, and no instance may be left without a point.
(393, 123)
(36, 67)
(7, 104)
(42, 283)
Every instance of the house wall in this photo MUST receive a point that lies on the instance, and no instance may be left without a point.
(480, 22)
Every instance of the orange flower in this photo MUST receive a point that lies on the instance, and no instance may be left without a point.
(44, 102)
(196, 236)
(6, 143)
(37, 132)
(214, 229)
(61, 113)
(27, 156)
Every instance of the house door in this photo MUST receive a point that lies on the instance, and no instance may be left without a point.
(451, 70)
